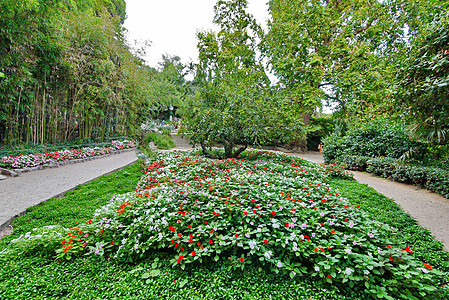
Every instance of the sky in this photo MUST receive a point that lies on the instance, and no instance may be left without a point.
(171, 25)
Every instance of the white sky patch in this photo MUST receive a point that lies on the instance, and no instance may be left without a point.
(171, 25)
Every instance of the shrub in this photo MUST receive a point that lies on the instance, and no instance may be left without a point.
(374, 139)
(162, 140)
(383, 166)
(355, 162)
(437, 181)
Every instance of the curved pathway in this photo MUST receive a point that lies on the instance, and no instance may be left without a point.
(32, 188)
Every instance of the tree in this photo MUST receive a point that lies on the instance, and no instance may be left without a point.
(233, 105)
(68, 72)
(424, 83)
(342, 51)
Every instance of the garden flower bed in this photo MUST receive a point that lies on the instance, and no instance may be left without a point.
(266, 209)
(39, 160)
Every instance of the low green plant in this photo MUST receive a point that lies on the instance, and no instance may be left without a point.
(383, 166)
(377, 138)
(162, 140)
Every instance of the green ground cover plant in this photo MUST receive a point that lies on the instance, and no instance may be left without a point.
(317, 245)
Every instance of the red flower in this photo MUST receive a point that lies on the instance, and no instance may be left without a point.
(190, 241)
(390, 258)
(273, 213)
(332, 231)
(189, 226)
(242, 259)
(193, 253)
(329, 276)
(388, 246)
(205, 222)
(211, 242)
(245, 213)
(236, 235)
(427, 266)
(265, 241)
(286, 224)
(316, 249)
(254, 211)
(112, 243)
(63, 241)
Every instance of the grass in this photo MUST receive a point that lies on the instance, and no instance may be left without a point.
(95, 278)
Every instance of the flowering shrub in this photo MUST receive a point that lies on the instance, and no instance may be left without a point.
(266, 208)
(39, 159)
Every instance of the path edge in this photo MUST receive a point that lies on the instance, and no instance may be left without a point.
(5, 225)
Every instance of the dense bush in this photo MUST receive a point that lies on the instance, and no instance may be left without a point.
(431, 178)
(374, 139)
(383, 166)
(162, 140)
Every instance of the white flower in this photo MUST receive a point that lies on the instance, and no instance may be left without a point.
(279, 264)
(423, 270)
(348, 271)
(247, 235)
(268, 254)
(252, 244)
(347, 250)
(317, 269)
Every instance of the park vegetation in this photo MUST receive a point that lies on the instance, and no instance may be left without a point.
(232, 222)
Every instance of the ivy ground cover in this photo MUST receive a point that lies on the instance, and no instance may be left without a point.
(265, 211)
(39, 159)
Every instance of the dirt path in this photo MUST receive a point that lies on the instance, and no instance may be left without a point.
(29, 189)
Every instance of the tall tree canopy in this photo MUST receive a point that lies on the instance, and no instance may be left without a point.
(423, 94)
(232, 106)
(345, 51)
(68, 72)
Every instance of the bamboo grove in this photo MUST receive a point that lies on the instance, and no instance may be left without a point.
(67, 73)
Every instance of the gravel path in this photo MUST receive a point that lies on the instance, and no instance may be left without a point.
(29, 189)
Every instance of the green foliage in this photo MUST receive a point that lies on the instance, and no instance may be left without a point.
(68, 72)
(383, 166)
(323, 127)
(315, 44)
(234, 105)
(424, 82)
(337, 171)
(162, 140)
(374, 139)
